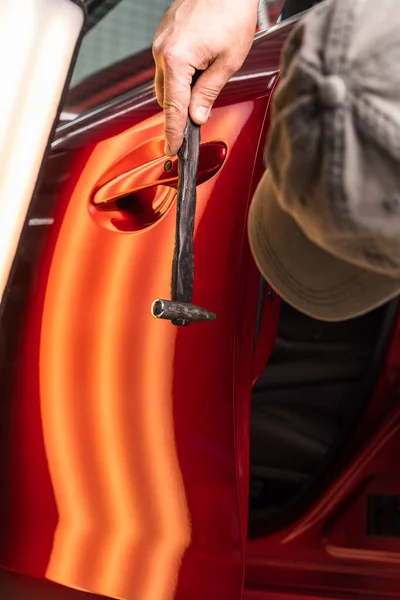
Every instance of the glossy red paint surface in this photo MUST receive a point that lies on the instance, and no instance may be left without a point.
(124, 446)
(128, 438)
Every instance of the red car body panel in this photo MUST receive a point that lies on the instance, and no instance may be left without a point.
(130, 437)
(125, 454)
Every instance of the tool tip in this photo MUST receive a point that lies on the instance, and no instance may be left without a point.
(157, 309)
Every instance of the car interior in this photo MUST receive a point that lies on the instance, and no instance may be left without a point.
(318, 380)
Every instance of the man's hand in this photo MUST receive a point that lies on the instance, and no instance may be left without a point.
(213, 36)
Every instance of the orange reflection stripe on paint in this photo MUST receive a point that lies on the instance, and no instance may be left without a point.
(57, 396)
(102, 525)
(63, 391)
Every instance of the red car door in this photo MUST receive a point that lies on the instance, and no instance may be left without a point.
(125, 446)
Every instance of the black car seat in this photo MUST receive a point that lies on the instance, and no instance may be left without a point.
(306, 396)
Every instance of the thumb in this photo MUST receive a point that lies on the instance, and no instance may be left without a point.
(207, 89)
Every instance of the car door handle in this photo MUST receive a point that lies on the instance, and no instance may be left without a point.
(161, 171)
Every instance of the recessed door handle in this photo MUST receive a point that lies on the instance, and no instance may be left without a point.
(161, 171)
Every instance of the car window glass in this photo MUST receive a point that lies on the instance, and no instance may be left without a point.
(129, 26)
(291, 8)
(125, 30)
(268, 13)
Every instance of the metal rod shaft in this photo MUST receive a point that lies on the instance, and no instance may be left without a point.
(183, 262)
